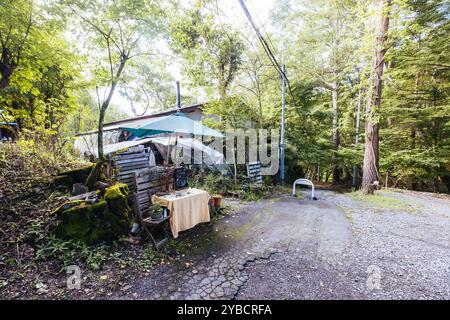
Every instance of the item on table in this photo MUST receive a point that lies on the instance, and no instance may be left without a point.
(156, 211)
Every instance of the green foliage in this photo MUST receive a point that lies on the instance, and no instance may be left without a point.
(39, 73)
(213, 183)
(85, 117)
(149, 257)
(416, 131)
(69, 252)
(213, 53)
(233, 113)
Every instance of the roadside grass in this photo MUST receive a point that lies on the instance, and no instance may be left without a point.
(380, 200)
(347, 211)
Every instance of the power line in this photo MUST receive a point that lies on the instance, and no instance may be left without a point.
(267, 49)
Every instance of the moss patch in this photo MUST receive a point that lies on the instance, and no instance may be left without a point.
(117, 191)
(104, 221)
(116, 196)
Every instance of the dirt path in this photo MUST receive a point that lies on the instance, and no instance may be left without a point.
(334, 248)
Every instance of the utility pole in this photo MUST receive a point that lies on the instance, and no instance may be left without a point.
(178, 97)
(355, 167)
(283, 98)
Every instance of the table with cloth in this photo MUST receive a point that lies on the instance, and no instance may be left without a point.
(187, 208)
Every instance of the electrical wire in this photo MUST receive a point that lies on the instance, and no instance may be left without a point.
(267, 49)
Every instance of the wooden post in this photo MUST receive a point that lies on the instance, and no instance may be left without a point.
(386, 181)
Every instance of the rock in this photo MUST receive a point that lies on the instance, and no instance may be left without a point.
(116, 196)
(79, 188)
(63, 180)
(79, 175)
(68, 205)
(41, 288)
(126, 288)
(219, 292)
(236, 282)
(102, 186)
(104, 221)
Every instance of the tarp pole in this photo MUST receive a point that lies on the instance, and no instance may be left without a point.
(178, 97)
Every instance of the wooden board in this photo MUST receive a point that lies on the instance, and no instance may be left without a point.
(254, 172)
(128, 162)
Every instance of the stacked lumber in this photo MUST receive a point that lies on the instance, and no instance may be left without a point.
(129, 161)
(132, 167)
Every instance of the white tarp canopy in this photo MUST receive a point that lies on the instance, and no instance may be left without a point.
(202, 153)
(111, 148)
(165, 146)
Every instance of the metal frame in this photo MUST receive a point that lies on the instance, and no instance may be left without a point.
(304, 182)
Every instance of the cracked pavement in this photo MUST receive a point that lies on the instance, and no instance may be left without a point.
(333, 248)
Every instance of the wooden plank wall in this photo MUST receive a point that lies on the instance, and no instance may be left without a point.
(149, 181)
(132, 168)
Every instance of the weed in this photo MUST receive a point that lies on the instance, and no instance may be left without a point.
(149, 257)
(379, 201)
(71, 252)
(95, 257)
(60, 250)
(348, 213)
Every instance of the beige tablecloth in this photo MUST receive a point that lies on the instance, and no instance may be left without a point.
(187, 210)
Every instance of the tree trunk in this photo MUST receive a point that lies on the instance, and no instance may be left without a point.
(372, 126)
(105, 106)
(446, 180)
(101, 120)
(336, 170)
(6, 75)
(6, 67)
(93, 176)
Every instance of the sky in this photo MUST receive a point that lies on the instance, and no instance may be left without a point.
(230, 13)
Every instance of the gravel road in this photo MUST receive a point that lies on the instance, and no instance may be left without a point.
(338, 247)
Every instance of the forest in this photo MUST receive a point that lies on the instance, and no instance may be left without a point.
(61, 64)
(360, 87)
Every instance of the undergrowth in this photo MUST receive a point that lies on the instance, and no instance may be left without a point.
(216, 183)
(380, 201)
